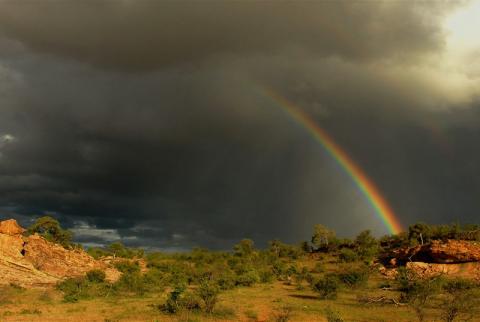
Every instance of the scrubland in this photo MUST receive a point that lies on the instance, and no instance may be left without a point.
(327, 279)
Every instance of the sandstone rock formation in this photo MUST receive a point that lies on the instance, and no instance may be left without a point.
(458, 258)
(449, 252)
(466, 270)
(34, 261)
(10, 227)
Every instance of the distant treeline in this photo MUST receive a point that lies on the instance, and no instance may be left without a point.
(365, 245)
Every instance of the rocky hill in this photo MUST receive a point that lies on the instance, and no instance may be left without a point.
(34, 261)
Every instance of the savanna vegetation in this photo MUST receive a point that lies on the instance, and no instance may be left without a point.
(325, 279)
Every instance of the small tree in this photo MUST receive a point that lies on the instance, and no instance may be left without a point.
(50, 229)
(326, 287)
(244, 248)
(305, 246)
(461, 301)
(208, 292)
(366, 245)
(417, 291)
(419, 233)
(322, 236)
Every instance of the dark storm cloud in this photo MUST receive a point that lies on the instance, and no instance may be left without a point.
(188, 150)
(147, 34)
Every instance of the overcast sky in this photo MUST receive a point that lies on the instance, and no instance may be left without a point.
(145, 121)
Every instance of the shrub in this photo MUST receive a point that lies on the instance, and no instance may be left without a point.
(190, 301)
(97, 252)
(96, 276)
(155, 279)
(127, 267)
(326, 287)
(458, 285)
(244, 248)
(418, 292)
(322, 237)
(248, 278)
(75, 289)
(366, 245)
(283, 314)
(117, 249)
(173, 303)
(301, 276)
(347, 255)
(279, 268)
(208, 293)
(131, 282)
(226, 280)
(354, 277)
(266, 276)
(461, 300)
(50, 229)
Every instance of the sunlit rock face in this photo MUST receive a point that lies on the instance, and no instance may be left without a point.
(449, 252)
(34, 261)
(10, 227)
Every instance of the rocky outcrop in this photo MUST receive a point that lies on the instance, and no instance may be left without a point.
(34, 261)
(449, 252)
(466, 270)
(10, 227)
(455, 251)
(458, 258)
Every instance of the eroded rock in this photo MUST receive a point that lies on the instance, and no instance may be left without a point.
(449, 252)
(10, 227)
(34, 261)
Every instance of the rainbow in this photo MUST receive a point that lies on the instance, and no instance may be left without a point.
(381, 207)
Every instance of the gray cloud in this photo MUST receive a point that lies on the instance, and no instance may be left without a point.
(193, 152)
(132, 35)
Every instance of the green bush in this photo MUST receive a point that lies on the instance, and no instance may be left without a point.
(97, 252)
(459, 285)
(266, 275)
(347, 255)
(127, 267)
(173, 303)
(366, 246)
(208, 292)
(75, 289)
(50, 229)
(155, 280)
(248, 278)
(326, 287)
(226, 280)
(119, 250)
(131, 282)
(279, 268)
(417, 291)
(190, 301)
(244, 248)
(96, 276)
(354, 277)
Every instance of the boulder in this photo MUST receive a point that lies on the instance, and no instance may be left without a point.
(10, 227)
